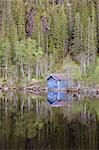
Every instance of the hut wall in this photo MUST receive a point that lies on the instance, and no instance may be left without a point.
(63, 84)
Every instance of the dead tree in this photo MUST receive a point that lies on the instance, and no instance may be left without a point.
(30, 22)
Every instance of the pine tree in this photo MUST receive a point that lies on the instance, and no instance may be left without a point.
(76, 44)
(19, 15)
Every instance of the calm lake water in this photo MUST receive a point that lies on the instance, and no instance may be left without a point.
(53, 121)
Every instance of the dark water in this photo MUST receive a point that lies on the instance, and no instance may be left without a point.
(56, 121)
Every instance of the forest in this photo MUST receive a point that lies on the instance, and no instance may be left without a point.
(38, 37)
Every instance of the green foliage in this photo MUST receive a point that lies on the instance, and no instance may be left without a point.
(92, 74)
(55, 31)
(90, 105)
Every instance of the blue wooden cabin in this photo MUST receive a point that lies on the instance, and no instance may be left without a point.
(58, 81)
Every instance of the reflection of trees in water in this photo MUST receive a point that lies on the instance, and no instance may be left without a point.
(31, 123)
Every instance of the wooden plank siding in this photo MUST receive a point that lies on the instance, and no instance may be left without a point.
(58, 82)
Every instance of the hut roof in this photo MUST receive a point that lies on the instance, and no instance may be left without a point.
(58, 76)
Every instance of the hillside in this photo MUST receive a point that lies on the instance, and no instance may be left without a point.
(37, 36)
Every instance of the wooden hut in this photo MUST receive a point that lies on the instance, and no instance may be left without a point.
(58, 81)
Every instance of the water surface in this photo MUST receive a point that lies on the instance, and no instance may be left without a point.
(48, 122)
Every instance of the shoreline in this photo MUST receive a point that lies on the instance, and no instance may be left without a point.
(38, 89)
(39, 86)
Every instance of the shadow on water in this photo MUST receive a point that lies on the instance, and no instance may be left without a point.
(29, 122)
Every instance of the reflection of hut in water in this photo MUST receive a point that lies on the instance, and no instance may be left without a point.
(57, 96)
(58, 81)
(59, 103)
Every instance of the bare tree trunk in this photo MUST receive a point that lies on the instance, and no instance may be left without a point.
(46, 63)
(29, 72)
(6, 68)
(37, 68)
(22, 70)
